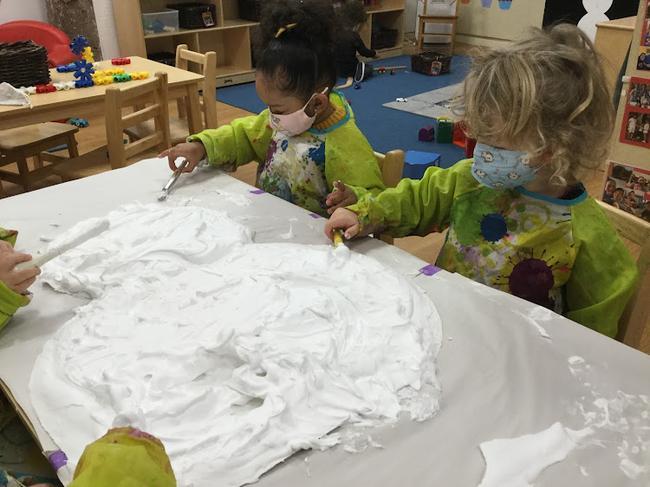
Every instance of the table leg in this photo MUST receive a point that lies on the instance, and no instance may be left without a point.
(23, 171)
(194, 122)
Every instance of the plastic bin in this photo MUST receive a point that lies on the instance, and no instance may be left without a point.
(158, 22)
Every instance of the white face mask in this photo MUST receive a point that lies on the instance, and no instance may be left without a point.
(294, 123)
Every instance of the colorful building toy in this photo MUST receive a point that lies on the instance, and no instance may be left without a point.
(119, 61)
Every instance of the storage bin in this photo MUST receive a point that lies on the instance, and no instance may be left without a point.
(430, 63)
(158, 22)
(195, 15)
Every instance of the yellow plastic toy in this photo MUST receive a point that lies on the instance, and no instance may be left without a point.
(88, 55)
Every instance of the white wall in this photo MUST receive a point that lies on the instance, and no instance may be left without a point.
(410, 15)
(106, 28)
(22, 9)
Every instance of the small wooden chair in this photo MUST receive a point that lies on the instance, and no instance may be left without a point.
(178, 126)
(21, 143)
(151, 99)
(426, 19)
(391, 166)
(634, 327)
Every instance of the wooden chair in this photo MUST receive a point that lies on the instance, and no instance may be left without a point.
(19, 144)
(391, 165)
(634, 327)
(426, 19)
(151, 99)
(179, 130)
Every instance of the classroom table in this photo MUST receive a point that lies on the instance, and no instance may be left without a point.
(505, 365)
(80, 102)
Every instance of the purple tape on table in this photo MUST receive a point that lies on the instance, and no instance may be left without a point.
(257, 191)
(58, 459)
(430, 270)
(314, 215)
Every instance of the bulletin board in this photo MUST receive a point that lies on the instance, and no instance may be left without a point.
(629, 146)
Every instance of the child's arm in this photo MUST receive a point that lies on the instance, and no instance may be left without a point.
(416, 206)
(354, 164)
(13, 283)
(361, 47)
(603, 276)
(244, 140)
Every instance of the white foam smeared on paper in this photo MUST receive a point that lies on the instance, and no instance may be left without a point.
(234, 354)
(517, 462)
(618, 419)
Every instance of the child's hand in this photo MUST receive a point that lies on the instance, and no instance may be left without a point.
(17, 281)
(340, 197)
(345, 220)
(193, 152)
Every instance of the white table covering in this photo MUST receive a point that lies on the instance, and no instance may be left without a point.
(500, 376)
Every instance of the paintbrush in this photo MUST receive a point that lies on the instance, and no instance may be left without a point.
(337, 238)
(94, 228)
(172, 181)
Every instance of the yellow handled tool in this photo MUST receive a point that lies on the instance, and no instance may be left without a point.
(337, 238)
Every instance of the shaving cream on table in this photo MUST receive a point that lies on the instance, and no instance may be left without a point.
(234, 354)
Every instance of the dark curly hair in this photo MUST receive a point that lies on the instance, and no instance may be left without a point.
(295, 46)
(352, 13)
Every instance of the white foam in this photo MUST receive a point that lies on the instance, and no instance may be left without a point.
(234, 354)
(517, 462)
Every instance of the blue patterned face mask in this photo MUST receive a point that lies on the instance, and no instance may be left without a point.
(501, 169)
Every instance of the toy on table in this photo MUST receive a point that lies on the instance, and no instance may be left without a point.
(66, 68)
(417, 162)
(48, 88)
(427, 134)
(119, 61)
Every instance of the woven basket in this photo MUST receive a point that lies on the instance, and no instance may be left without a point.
(23, 63)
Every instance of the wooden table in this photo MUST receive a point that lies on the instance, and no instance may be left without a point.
(612, 42)
(84, 101)
(507, 367)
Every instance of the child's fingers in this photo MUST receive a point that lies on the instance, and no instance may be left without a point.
(18, 277)
(23, 286)
(172, 154)
(17, 258)
(352, 232)
(339, 186)
(5, 246)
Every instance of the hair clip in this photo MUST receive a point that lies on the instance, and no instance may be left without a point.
(284, 29)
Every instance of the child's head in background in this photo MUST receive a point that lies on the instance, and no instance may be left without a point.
(352, 14)
(296, 68)
(545, 96)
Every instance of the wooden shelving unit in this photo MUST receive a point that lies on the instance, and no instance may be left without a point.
(230, 38)
(388, 14)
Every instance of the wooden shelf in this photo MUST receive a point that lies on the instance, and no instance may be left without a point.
(228, 24)
(386, 9)
(232, 70)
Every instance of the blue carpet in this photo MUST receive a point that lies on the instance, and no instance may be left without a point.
(385, 128)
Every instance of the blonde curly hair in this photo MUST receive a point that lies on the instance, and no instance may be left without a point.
(547, 94)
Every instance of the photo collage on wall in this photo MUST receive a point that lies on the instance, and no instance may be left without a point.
(635, 128)
(644, 53)
(628, 188)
